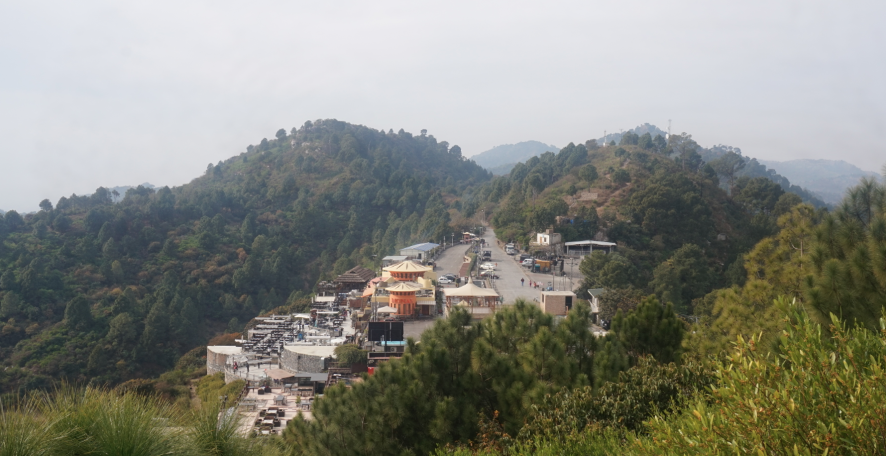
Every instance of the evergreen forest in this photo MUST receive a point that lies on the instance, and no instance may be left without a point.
(100, 292)
(745, 316)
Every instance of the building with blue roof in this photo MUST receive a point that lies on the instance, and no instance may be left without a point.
(419, 251)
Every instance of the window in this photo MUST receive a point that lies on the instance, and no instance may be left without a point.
(569, 303)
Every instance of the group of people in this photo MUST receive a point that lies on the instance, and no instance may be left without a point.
(532, 284)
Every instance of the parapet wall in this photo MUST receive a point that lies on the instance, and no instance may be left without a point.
(297, 362)
(217, 357)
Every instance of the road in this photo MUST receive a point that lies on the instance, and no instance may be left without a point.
(509, 271)
(508, 285)
(450, 260)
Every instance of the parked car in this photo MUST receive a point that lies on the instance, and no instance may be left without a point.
(444, 280)
(489, 266)
(450, 276)
(528, 262)
(489, 275)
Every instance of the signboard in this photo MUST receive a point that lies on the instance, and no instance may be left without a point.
(391, 331)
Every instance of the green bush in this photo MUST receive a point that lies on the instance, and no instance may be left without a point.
(823, 394)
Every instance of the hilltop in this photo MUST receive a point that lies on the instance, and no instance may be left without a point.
(97, 291)
(659, 201)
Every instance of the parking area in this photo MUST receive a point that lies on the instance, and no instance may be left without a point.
(508, 284)
(510, 272)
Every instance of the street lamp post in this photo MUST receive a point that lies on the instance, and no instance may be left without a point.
(571, 263)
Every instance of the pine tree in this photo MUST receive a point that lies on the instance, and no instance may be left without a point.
(78, 316)
(652, 329)
(849, 258)
(579, 342)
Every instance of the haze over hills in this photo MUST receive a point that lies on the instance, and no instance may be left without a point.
(122, 189)
(498, 160)
(501, 159)
(828, 178)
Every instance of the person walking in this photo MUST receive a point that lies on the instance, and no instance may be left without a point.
(521, 281)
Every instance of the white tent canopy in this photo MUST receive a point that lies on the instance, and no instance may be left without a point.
(469, 290)
(387, 309)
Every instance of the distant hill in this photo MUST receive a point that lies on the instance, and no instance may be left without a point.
(502, 169)
(828, 178)
(501, 159)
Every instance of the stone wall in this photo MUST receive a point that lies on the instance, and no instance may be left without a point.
(217, 357)
(215, 362)
(297, 362)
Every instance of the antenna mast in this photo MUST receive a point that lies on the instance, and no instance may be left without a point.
(669, 128)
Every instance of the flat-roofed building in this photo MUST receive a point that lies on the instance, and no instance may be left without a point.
(581, 248)
(556, 302)
(419, 251)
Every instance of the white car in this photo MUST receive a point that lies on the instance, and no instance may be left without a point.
(528, 262)
(488, 266)
(444, 280)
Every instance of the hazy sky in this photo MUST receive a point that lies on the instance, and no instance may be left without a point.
(118, 93)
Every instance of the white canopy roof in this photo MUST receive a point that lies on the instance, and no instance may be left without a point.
(469, 290)
(600, 243)
(387, 309)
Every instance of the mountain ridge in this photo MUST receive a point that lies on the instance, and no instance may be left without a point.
(828, 178)
(499, 157)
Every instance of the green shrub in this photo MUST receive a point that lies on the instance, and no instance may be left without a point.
(823, 394)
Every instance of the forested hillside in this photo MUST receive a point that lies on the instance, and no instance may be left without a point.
(786, 353)
(680, 234)
(779, 366)
(103, 292)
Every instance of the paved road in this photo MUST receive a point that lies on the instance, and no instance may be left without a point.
(510, 273)
(451, 260)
